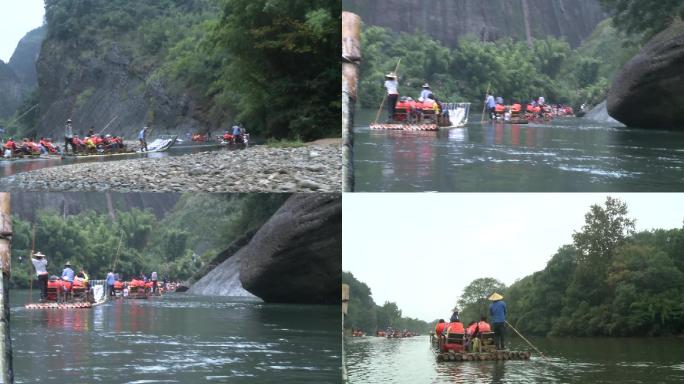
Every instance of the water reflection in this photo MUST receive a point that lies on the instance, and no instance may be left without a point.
(564, 155)
(177, 338)
(619, 360)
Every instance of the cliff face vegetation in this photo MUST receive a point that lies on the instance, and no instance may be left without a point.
(449, 20)
(185, 66)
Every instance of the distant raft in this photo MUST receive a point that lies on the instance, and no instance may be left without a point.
(413, 115)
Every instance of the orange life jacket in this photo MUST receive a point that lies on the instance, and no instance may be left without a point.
(439, 328)
(500, 108)
(482, 326)
(118, 285)
(455, 327)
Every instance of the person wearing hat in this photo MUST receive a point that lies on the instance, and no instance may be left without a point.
(497, 311)
(68, 137)
(40, 264)
(142, 138)
(425, 92)
(392, 87)
(68, 273)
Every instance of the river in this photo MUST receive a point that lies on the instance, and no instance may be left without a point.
(569, 360)
(11, 167)
(567, 154)
(176, 339)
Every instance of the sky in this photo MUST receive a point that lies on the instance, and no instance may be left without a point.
(421, 250)
(17, 17)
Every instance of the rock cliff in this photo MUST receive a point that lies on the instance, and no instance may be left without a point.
(449, 20)
(296, 257)
(647, 92)
(18, 77)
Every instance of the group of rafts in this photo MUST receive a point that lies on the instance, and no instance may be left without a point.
(62, 294)
(428, 114)
(102, 145)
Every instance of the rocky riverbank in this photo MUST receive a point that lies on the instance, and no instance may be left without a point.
(313, 168)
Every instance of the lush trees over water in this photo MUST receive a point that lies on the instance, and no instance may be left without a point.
(512, 69)
(189, 236)
(364, 314)
(611, 282)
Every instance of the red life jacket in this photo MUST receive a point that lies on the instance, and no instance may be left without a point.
(455, 327)
(10, 144)
(118, 285)
(499, 108)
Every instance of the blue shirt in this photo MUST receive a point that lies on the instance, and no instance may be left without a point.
(490, 101)
(69, 273)
(497, 311)
(110, 278)
(236, 130)
(141, 135)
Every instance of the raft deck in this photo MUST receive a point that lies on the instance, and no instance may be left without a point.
(404, 127)
(482, 356)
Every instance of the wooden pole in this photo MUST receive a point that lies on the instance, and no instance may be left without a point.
(6, 372)
(107, 126)
(116, 258)
(527, 341)
(33, 247)
(351, 58)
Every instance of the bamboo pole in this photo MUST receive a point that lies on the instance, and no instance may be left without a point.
(30, 264)
(527, 341)
(351, 58)
(6, 372)
(107, 126)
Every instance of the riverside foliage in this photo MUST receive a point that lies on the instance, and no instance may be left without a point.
(610, 282)
(364, 314)
(512, 69)
(191, 234)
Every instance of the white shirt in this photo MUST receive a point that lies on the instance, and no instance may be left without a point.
(68, 131)
(424, 94)
(541, 100)
(40, 265)
(392, 87)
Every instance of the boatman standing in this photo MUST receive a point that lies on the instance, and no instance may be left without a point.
(497, 311)
(392, 87)
(68, 137)
(40, 264)
(142, 138)
(491, 105)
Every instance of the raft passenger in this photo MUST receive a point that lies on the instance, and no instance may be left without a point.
(425, 92)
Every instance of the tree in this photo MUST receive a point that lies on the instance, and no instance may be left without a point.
(643, 16)
(284, 64)
(388, 315)
(473, 301)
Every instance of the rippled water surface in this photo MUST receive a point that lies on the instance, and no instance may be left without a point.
(177, 339)
(569, 154)
(619, 360)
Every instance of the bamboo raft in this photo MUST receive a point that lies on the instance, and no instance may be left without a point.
(54, 305)
(483, 356)
(403, 127)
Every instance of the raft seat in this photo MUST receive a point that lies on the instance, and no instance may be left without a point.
(487, 342)
(454, 342)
